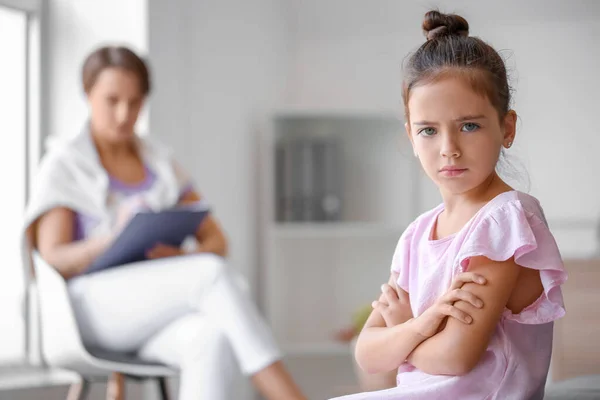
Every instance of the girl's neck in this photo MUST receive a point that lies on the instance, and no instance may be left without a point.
(486, 191)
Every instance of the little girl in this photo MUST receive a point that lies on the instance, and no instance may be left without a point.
(475, 284)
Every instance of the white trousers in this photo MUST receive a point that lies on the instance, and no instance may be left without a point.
(188, 312)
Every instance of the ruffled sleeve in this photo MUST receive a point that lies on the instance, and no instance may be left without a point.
(512, 231)
(401, 258)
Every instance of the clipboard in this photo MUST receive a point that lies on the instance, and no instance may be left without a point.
(145, 230)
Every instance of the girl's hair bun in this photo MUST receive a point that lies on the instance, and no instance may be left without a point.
(437, 25)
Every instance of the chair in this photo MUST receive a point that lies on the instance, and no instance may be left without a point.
(62, 346)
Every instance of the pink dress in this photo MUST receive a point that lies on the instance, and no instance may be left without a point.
(516, 362)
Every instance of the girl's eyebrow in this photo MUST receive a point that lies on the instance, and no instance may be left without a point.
(424, 123)
(470, 118)
(461, 119)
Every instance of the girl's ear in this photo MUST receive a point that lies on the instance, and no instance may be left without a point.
(412, 142)
(510, 128)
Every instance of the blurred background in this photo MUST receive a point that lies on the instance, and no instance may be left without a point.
(288, 115)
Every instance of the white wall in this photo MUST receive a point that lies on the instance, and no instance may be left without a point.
(218, 65)
(347, 54)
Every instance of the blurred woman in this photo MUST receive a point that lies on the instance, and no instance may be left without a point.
(180, 307)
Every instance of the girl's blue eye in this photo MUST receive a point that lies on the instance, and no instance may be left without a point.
(470, 127)
(427, 132)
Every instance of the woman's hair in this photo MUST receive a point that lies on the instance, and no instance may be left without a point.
(114, 57)
(449, 50)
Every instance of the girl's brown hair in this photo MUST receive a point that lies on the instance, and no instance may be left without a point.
(449, 50)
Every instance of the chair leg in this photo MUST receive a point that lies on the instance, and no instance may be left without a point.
(115, 388)
(79, 391)
(164, 389)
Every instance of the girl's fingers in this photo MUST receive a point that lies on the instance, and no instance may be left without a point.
(379, 306)
(451, 311)
(390, 294)
(467, 277)
(460, 294)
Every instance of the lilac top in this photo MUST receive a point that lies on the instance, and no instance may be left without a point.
(516, 362)
(119, 193)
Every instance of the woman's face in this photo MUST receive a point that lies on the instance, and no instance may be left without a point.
(456, 134)
(115, 101)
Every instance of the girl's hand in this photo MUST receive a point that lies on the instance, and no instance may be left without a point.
(428, 323)
(162, 251)
(393, 305)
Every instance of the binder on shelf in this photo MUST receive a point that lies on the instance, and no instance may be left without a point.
(308, 180)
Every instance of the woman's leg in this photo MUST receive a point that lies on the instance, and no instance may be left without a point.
(202, 353)
(208, 368)
(122, 309)
(274, 382)
(255, 347)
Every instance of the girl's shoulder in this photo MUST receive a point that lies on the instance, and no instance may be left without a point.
(513, 226)
(508, 207)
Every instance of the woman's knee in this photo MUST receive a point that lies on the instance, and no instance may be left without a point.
(215, 340)
(220, 269)
(211, 344)
(213, 265)
(211, 271)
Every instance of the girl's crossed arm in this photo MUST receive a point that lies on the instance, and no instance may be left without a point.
(383, 348)
(458, 347)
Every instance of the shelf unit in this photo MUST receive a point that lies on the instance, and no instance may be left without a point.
(314, 275)
(332, 230)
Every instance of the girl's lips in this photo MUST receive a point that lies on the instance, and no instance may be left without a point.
(452, 171)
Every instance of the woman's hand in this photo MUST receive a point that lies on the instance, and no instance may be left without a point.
(393, 305)
(428, 323)
(163, 250)
(126, 211)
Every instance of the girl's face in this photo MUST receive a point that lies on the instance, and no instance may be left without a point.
(115, 101)
(456, 133)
